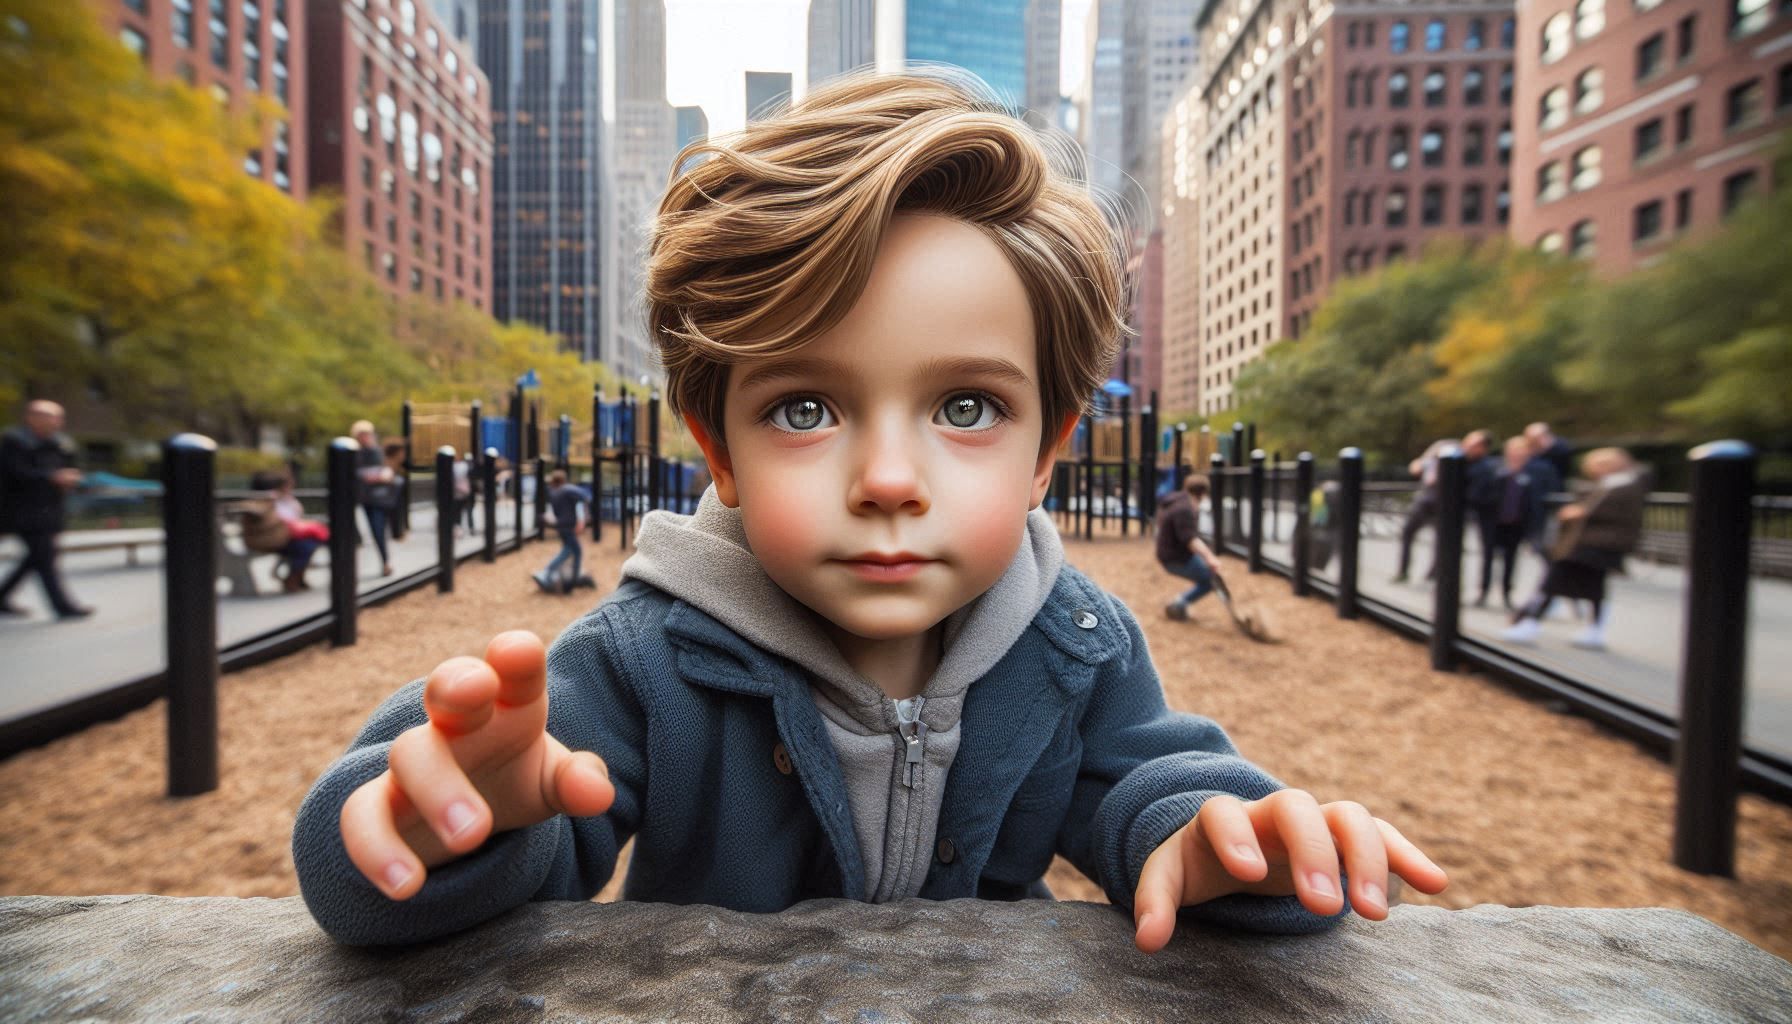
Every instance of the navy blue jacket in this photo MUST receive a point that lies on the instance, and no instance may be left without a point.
(1068, 748)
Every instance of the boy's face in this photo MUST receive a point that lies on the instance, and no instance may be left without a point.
(911, 429)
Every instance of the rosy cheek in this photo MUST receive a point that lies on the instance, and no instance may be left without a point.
(781, 520)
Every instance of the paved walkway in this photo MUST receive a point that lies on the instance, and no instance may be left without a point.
(48, 663)
(1643, 637)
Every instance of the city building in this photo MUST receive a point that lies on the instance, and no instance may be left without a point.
(545, 254)
(766, 92)
(988, 38)
(1322, 140)
(1639, 122)
(842, 36)
(1045, 25)
(640, 132)
(1159, 54)
(693, 126)
(1102, 97)
(237, 50)
(400, 125)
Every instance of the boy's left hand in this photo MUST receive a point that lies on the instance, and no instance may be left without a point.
(1300, 840)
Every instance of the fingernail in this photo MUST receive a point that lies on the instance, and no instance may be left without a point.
(460, 818)
(1322, 884)
(397, 874)
(1245, 851)
(1372, 894)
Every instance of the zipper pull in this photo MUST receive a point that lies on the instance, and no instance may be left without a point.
(916, 742)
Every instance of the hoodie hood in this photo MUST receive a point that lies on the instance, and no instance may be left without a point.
(703, 559)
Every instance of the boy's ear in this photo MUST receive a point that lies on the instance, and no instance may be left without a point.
(720, 469)
(1042, 473)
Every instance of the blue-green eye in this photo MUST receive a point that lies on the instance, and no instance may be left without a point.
(970, 410)
(799, 415)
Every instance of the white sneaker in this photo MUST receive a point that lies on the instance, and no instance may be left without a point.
(1590, 639)
(1524, 631)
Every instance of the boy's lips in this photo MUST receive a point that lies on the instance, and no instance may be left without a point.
(884, 567)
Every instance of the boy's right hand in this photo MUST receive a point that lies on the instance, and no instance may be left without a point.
(483, 763)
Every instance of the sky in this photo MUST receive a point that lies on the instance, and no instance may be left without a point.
(711, 44)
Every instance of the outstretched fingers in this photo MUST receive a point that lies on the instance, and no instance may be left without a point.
(521, 662)
(1409, 863)
(576, 783)
(370, 836)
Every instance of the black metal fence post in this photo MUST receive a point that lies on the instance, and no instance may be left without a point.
(564, 455)
(1236, 456)
(1088, 472)
(541, 498)
(1301, 560)
(1446, 601)
(1713, 658)
(1350, 513)
(1150, 442)
(446, 519)
(1125, 464)
(476, 416)
(597, 464)
(404, 482)
(516, 457)
(190, 582)
(534, 445)
(626, 464)
(1256, 539)
(489, 467)
(655, 466)
(1216, 486)
(1275, 495)
(1176, 474)
(343, 574)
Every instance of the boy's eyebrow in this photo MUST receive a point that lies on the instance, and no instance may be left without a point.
(933, 369)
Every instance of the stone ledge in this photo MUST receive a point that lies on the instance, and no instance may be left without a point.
(153, 958)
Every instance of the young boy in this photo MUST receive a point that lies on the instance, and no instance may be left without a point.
(565, 499)
(861, 669)
(1180, 549)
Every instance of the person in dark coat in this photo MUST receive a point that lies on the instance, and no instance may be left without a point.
(1427, 503)
(378, 485)
(37, 470)
(1551, 449)
(565, 500)
(1510, 509)
(1596, 533)
(1179, 547)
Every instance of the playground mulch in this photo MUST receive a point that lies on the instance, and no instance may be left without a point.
(1521, 805)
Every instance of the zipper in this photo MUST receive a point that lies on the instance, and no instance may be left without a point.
(913, 734)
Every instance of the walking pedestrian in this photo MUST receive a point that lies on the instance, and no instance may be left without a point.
(1426, 503)
(1180, 549)
(463, 492)
(378, 489)
(564, 500)
(1511, 512)
(1596, 533)
(37, 471)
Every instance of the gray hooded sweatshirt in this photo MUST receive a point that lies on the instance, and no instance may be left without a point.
(895, 754)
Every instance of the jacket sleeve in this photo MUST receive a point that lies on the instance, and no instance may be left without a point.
(17, 464)
(590, 707)
(1145, 771)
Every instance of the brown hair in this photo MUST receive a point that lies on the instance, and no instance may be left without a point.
(557, 477)
(767, 241)
(1196, 485)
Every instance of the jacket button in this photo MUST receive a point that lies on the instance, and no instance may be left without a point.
(1085, 619)
(948, 853)
(781, 758)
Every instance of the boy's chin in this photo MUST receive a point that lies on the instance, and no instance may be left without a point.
(889, 618)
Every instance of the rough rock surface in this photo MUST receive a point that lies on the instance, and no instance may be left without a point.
(153, 958)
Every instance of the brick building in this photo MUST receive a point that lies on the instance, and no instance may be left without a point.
(401, 126)
(1321, 140)
(1641, 120)
(237, 50)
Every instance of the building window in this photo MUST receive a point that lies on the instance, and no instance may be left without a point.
(134, 41)
(181, 25)
(1783, 98)
(1508, 32)
(1471, 204)
(1589, 90)
(1350, 36)
(1684, 38)
(1396, 252)
(1742, 105)
(1589, 18)
(1474, 146)
(1650, 55)
(1555, 37)
(1473, 87)
(1738, 187)
(1550, 242)
(1580, 240)
(1586, 171)
(1396, 207)
(416, 280)
(1682, 209)
(1551, 183)
(1505, 144)
(1477, 34)
(1436, 36)
(1399, 89)
(1749, 16)
(1552, 110)
(1351, 81)
(367, 214)
(391, 227)
(1648, 139)
(1368, 33)
(1502, 204)
(1435, 84)
(1352, 144)
(1397, 148)
(1683, 125)
(1647, 222)
(367, 251)
(1506, 86)
(1431, 146)
(367, 171)
(1431, 206)
(1400, 36)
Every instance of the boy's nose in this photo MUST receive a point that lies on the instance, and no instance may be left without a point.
(888, 477)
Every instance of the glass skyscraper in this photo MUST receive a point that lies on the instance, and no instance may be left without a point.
(988, 37)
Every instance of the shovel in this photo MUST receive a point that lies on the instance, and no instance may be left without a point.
(1248, 620)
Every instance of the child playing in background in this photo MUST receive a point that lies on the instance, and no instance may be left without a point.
(565, 500)
(862, 669)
